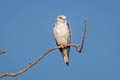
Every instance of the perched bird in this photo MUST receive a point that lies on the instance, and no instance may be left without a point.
(62, 35)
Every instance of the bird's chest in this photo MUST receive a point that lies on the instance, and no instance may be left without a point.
(62, 30)
(61, 33)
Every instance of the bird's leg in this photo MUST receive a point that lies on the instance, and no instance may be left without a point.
(65, 45)
(62, 45)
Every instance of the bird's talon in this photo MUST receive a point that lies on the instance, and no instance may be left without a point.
(65, 45)
(62, 45)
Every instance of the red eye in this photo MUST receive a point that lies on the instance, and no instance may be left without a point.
(60, 17)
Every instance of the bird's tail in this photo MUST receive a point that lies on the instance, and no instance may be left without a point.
(66, 59)
(65, 54)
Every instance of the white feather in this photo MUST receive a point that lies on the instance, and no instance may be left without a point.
(61, 33)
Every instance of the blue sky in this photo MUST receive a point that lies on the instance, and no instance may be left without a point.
(26, 33)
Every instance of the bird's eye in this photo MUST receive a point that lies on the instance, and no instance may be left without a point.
(60, 17)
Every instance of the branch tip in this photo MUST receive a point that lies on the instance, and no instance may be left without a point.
(2, 52)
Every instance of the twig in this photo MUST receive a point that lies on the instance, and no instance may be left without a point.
(85, 30)
(2, 52)
(35, 62)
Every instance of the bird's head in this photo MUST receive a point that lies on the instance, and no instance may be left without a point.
(61, 18)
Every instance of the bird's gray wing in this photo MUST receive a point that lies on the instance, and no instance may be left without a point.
(70, 32)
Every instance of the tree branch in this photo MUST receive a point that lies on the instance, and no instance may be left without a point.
(85, 30)
(32, 64)
(51, 49)
(2, 52)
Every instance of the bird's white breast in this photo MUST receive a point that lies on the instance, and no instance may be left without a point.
(61, 33)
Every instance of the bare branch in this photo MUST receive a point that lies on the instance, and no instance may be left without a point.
(85, 30)
(51, 49)
(2, 52)
(32, 64)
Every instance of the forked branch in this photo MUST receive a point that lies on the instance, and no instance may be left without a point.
(51, 49)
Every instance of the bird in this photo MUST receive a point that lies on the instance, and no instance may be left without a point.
(62, 36)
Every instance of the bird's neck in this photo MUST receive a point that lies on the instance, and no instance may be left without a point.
(58, 22)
